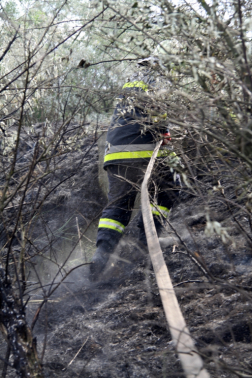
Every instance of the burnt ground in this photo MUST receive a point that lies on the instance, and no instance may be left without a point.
(117, 328)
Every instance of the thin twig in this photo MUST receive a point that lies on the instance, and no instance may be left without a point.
(79, 236)
(9, 46)
(35, 318)
(76, 354)
(189, 281)
(195, 257)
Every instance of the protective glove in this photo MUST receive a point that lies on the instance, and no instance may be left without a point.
(166, 138)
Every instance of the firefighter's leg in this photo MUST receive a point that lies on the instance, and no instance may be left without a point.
(168, 189)
(156, 215)
(140, 224)
(116, 215)
(163, 193)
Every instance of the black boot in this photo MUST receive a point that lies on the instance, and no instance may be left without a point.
(100, 259)
(142, 236)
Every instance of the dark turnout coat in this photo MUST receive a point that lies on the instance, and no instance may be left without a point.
(133, 132)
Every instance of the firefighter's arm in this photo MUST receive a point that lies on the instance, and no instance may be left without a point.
(164, 131)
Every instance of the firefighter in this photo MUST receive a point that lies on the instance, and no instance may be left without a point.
(135, 128)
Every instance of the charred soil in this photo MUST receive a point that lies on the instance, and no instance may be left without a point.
(116, 327)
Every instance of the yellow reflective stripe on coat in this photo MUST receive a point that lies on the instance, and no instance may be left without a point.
(160, 210)
(112, 224)
(136, 84)
(135, 155)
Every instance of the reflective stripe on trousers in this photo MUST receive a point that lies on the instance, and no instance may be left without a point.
(160, 210)
(119, 227)
(112, 224)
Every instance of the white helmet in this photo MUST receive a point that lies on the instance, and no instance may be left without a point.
(146, 70)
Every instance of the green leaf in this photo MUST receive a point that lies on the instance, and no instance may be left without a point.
(135, 5)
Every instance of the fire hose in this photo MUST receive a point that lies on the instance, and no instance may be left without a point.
(190, 359)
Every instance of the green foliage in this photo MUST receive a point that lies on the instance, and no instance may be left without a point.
(10, 7)
(201, 50)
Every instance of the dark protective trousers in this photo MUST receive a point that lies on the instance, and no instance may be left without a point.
(124, 184)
